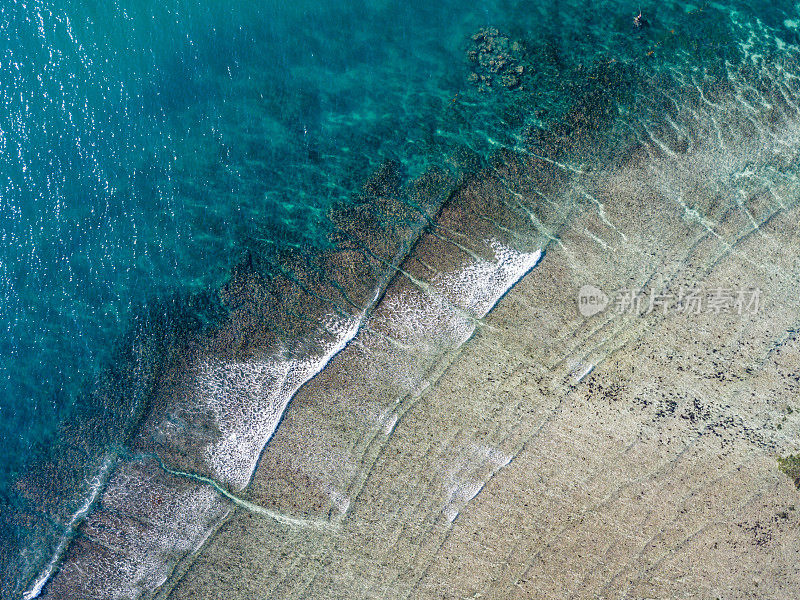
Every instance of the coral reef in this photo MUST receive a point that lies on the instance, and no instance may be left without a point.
(496, 61)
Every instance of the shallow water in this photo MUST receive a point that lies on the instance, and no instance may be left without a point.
(164, 164)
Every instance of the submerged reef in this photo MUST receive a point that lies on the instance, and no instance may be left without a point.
(496, 60)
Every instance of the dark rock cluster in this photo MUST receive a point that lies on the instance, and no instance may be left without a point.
(495, 61)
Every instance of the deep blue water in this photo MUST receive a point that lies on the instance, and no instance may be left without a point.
(147, 147)
(145, 144)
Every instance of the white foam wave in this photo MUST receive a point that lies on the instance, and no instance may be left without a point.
(248, 398)
(95, 487)
(479, 286)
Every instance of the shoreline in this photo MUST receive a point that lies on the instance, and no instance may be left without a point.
(615, 455)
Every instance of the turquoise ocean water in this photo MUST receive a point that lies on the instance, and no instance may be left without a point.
(146, 148)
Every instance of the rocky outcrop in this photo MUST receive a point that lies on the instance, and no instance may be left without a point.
(495, 61)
